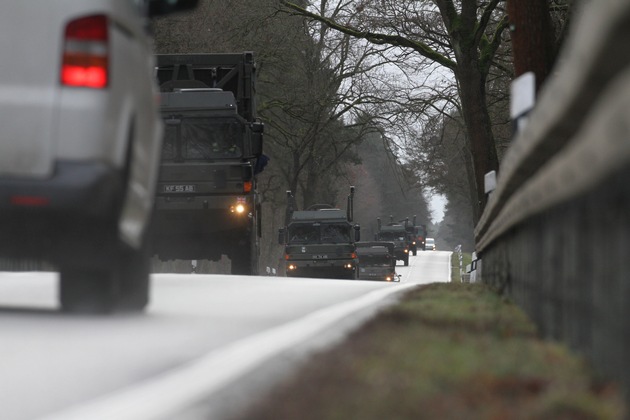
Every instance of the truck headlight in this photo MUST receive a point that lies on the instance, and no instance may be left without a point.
(239, 208)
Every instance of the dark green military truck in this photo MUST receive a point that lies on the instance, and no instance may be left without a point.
(396, 233)
(320, 241)
(377, 261)
(417, 234)
(207, 203)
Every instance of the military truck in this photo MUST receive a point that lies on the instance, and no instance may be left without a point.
(416, 235)
(377, 261)
(207, 204)
(396, 233)
(320, 241)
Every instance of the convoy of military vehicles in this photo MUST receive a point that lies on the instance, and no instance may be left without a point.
(320, 241)
(207, 204)
(97, 212)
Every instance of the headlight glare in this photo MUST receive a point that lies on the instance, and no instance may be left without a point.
(238, 208)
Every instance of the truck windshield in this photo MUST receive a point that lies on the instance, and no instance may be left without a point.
(391, 236)
(371, 260)
(303, 234)
(335, 233)
(319, 233)
(202, 139)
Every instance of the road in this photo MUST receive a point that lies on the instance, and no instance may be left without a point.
(200, 335)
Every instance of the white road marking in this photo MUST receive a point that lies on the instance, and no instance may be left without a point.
(176, 390)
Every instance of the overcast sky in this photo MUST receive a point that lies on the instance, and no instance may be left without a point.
(436, 207)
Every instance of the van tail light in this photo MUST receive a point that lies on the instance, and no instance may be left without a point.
(85, 54)
(29, 201)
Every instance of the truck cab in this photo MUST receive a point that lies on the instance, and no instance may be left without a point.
(320, 241)
(207, 201)
(397, 234)
(416, 235)
(377, 261)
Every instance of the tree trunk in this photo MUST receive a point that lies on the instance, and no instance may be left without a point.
(294, 172)
(472, 91)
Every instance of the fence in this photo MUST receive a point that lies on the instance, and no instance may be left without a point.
(555, 235)
(7, 264)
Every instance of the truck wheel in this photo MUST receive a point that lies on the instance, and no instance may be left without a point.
(245, 261)
(406, 260)
(241, 264)
(415, 252)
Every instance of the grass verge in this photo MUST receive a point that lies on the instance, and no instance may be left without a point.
(447, 351)
(456, 273)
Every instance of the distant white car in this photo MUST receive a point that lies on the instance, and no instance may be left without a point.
(430, 244)
(80, 141)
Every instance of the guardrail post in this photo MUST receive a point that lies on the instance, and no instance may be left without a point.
(458, 250)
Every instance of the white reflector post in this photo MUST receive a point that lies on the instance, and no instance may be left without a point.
(523, 97)
(490, 181)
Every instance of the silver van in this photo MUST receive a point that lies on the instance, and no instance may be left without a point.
(80, 141)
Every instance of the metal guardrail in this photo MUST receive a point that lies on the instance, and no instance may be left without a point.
(575, 114)
(555, 234)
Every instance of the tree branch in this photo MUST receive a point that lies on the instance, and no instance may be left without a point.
(376, 38)
(485, 18)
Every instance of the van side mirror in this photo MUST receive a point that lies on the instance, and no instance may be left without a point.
(164, 7)
(357, 233)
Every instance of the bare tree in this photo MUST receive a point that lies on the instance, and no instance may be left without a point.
(461, 37)
(317, 92)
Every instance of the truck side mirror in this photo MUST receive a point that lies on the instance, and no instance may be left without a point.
(357, 233)
(281, 236)
(257, 137)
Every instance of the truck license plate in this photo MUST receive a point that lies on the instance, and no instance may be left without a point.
(180, 188)
(320, 257)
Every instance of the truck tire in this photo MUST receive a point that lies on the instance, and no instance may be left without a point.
(406, 260)
(241, 264)
(245, 260)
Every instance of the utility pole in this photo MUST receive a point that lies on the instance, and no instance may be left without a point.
(532, 38)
